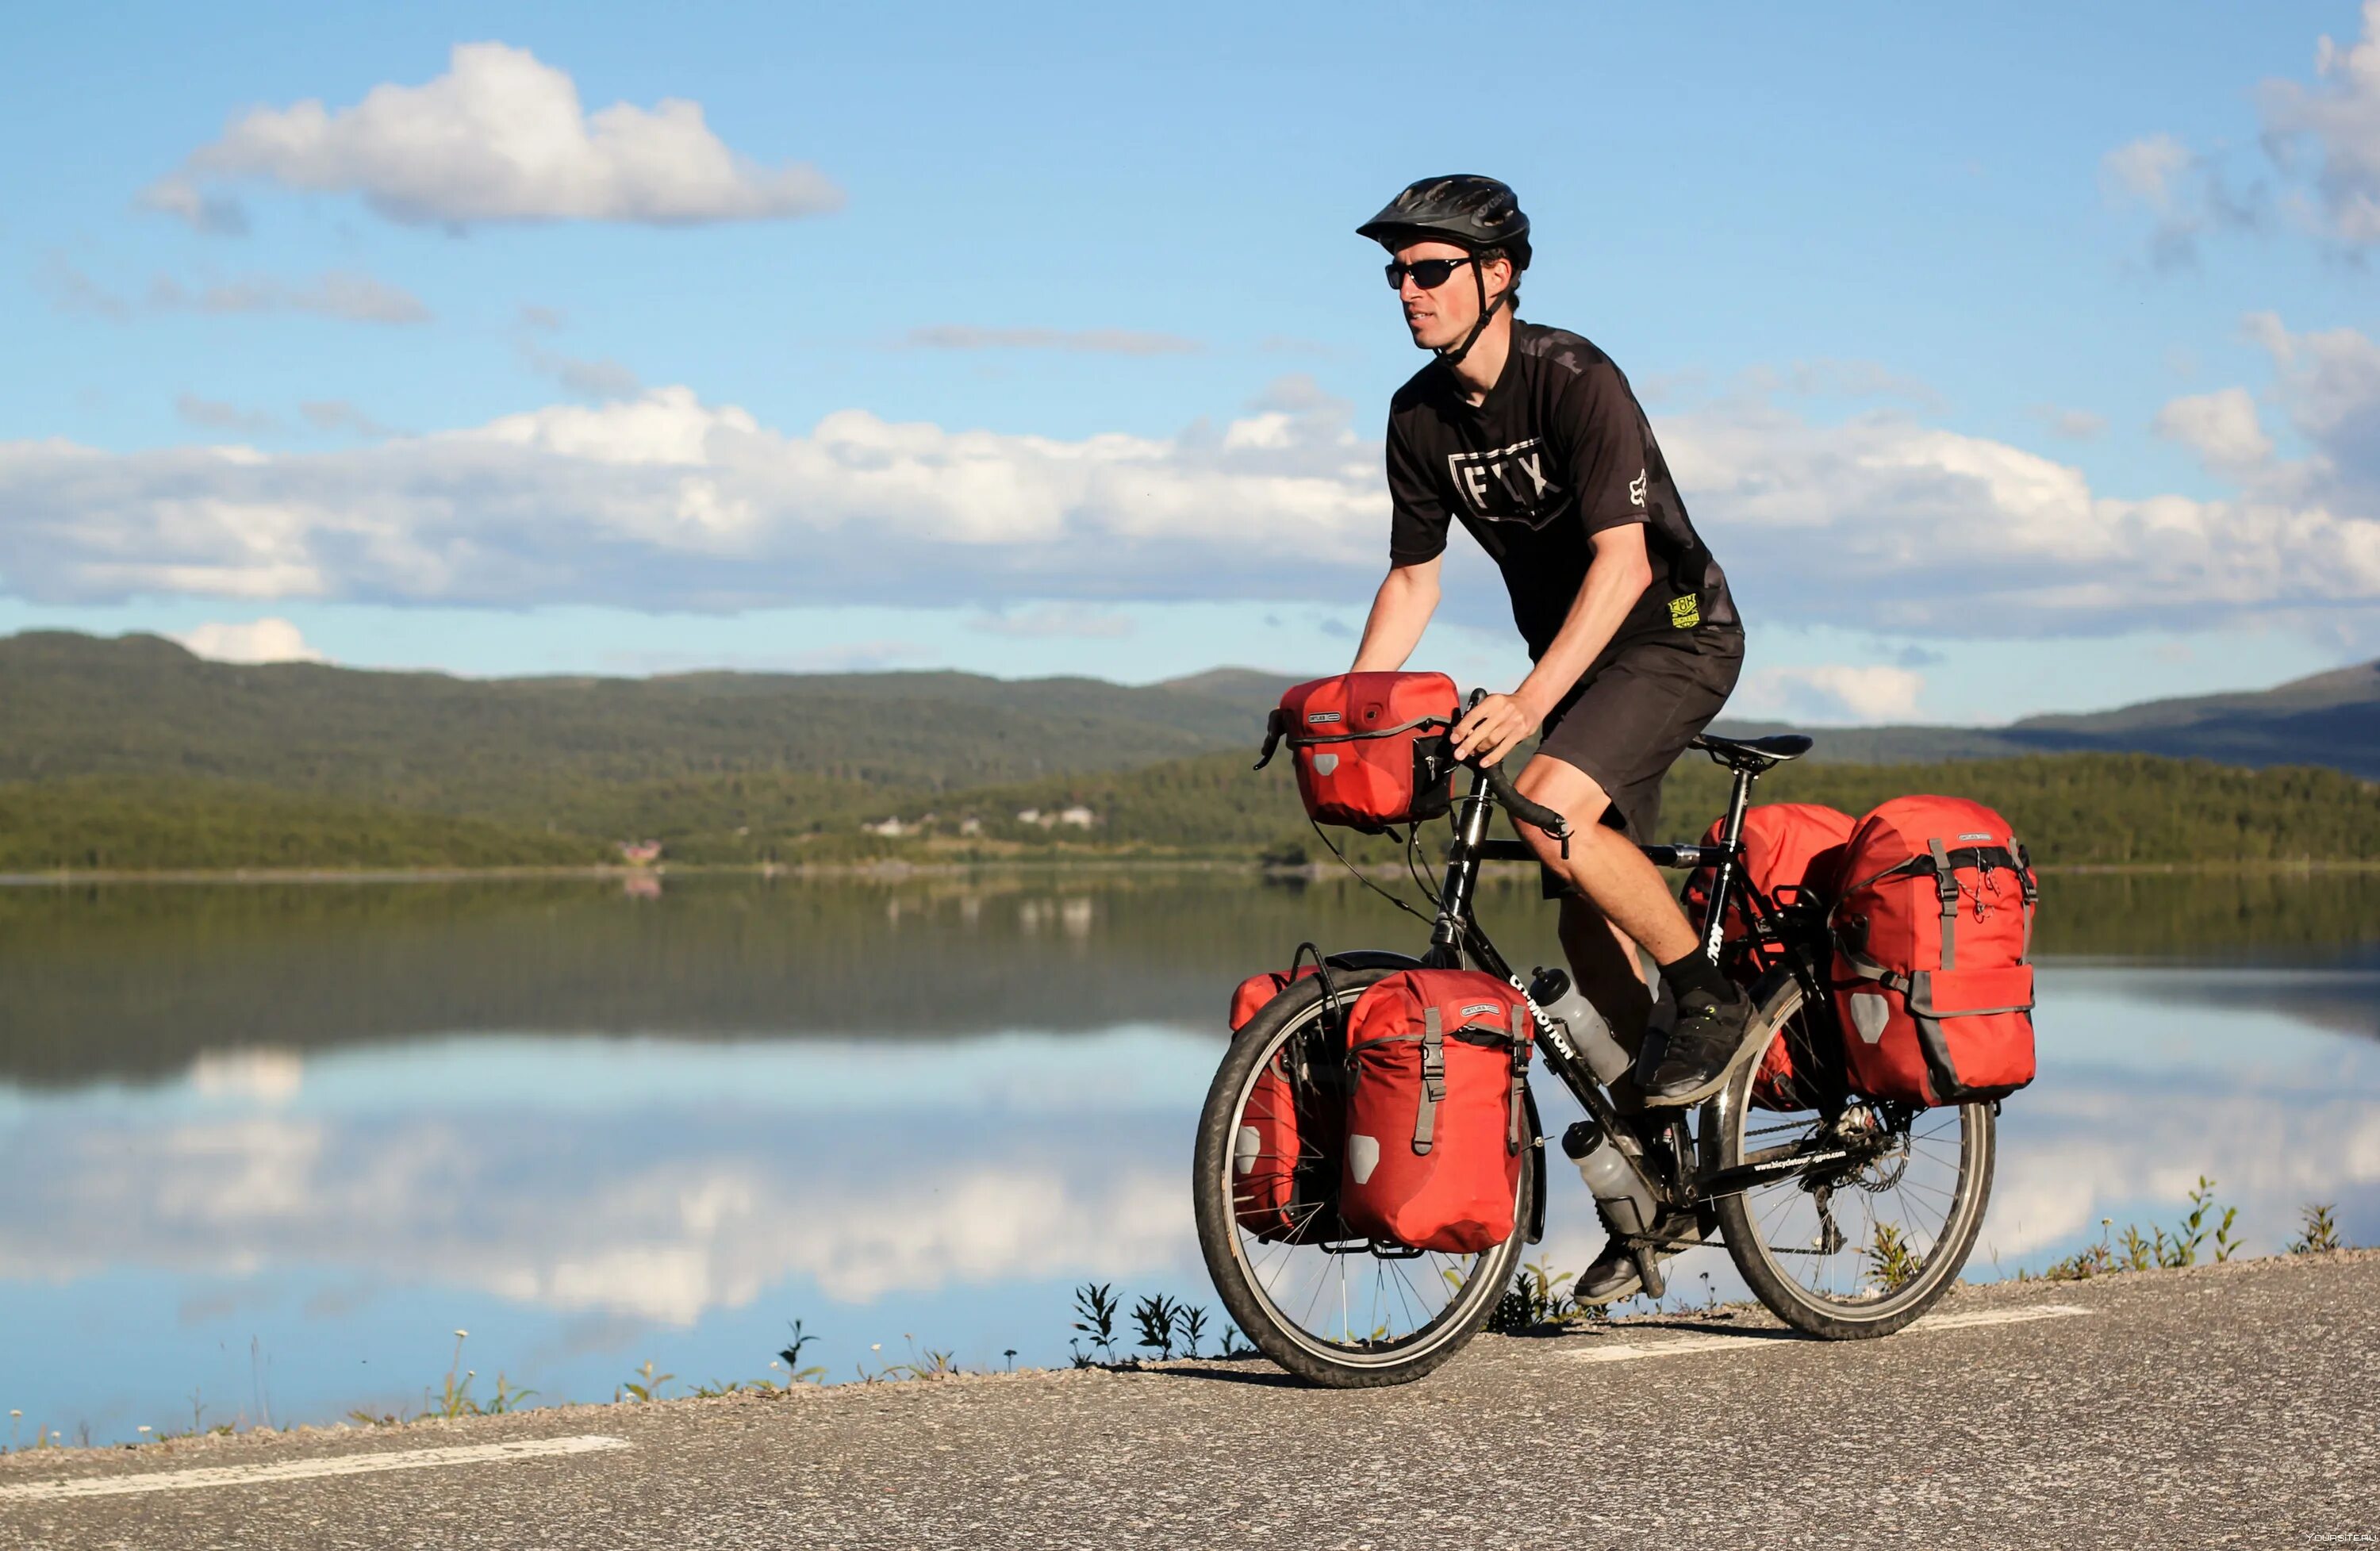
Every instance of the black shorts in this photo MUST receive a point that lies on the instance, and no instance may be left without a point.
(1626, 725)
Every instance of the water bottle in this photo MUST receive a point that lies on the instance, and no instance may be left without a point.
(1610, 1177)
(1559, 1000)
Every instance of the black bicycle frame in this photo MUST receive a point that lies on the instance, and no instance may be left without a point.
(1455, 935)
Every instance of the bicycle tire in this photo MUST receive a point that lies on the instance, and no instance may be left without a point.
(1725, 1121)
(1220, 1240)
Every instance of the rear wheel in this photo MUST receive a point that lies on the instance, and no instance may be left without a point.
(1863, 1246)
(1347, 1314)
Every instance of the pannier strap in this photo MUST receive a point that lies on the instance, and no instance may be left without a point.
(1520, 1076)
(1433, 1079)
(1307, 739)
(1946, 883)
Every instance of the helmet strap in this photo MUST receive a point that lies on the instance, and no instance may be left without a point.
(1487, 315)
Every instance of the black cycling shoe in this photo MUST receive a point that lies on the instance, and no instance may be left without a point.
(1614, 1277)
(1710, 1038)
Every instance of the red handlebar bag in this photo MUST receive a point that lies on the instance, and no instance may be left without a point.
(1438, 1064)
(1791, 852)
(1285, 1156)
(1371, 749)
(1931, 977)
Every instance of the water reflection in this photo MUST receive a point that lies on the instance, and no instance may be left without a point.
(594, 1129)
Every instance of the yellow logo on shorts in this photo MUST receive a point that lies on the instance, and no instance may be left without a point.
(1685, 613)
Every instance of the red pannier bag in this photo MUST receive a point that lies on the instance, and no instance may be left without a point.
(1437, 1067)
(1371, 749)
(1932, 932)
(1285, 1158)
(1791, 851)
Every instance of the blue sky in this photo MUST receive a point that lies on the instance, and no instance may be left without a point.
(2009, 362)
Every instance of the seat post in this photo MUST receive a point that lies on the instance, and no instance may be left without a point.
(1730, 839)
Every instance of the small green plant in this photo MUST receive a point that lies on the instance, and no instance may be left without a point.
(506, 1398)
(2201, 1228)
(362, 1418)
(2318, 1233)
(1194, 1329)
(1234, 1345)
(927, 1364)
(1155, 1314)
(1095, 1310)
(1890, 1260)
(714, 1389)
(792, 1354)
(651, 1389)
(454, 1400)
(2096, 1260)
(1537, 1297)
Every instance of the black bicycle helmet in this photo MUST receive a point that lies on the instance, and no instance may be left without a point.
(1464, 209)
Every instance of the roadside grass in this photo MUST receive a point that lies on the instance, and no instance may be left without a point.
(1166, 1328)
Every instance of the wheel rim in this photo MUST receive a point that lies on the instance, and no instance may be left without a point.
(1353, 1306)
(1871, 1239)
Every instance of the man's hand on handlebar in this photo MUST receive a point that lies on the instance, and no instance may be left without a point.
(1497, 725)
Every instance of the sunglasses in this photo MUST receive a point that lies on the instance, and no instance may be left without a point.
(1427, 274)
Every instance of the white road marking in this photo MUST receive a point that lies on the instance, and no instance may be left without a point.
(299, 1469)
(1628, 1352)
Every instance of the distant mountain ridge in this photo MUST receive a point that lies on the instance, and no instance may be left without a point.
(2330, 719)
(76, 705)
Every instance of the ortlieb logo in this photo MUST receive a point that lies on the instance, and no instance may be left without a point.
(1477, 1009)
(1985, 835)
(1322, 716)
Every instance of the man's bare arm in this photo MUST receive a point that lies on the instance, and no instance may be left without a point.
(1401, 612)
(1616, 577)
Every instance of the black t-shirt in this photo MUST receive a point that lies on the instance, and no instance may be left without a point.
(1558, 452)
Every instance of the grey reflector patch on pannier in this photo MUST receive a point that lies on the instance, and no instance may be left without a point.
(1870, 1012)
(1325, 763)
(1363, 1157)
(1245, 1148)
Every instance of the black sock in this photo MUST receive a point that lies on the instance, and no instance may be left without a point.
(1696, 973)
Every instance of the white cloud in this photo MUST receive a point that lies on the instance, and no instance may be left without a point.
(345, 293)
(2148, 169)
(258, 640)
(331, 415)
(501, 137)
(208, 414)
(1830, 693)
(1109, 342)
(2070, 425)
(1051, 620)
(2341, 116)
(2221, 427)
(601, 380)
(337, 294)
(665, 502)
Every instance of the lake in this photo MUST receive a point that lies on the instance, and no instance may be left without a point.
(267, 1148)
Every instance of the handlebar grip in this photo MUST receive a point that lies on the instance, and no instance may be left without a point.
(1527, 812)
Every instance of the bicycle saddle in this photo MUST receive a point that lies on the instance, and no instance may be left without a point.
(1754, 754)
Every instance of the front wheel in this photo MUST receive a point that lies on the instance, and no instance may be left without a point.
(1348, 1315)
(1863, 1246)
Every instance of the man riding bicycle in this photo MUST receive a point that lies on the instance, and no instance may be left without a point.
(1533, 439)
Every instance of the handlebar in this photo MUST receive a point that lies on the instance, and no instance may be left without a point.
(1527, 812)
(1500, 781)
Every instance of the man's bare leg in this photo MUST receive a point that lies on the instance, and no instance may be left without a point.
(1607, 969)
(1712, 1034)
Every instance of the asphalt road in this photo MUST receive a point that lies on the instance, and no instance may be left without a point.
(2232, 1405)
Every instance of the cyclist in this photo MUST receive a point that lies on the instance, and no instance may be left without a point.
(1532, 439)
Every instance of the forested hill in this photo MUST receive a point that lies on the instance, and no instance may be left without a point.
(73, 705)
(133, 754)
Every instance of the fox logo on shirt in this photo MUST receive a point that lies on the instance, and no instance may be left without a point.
(1509, 484)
